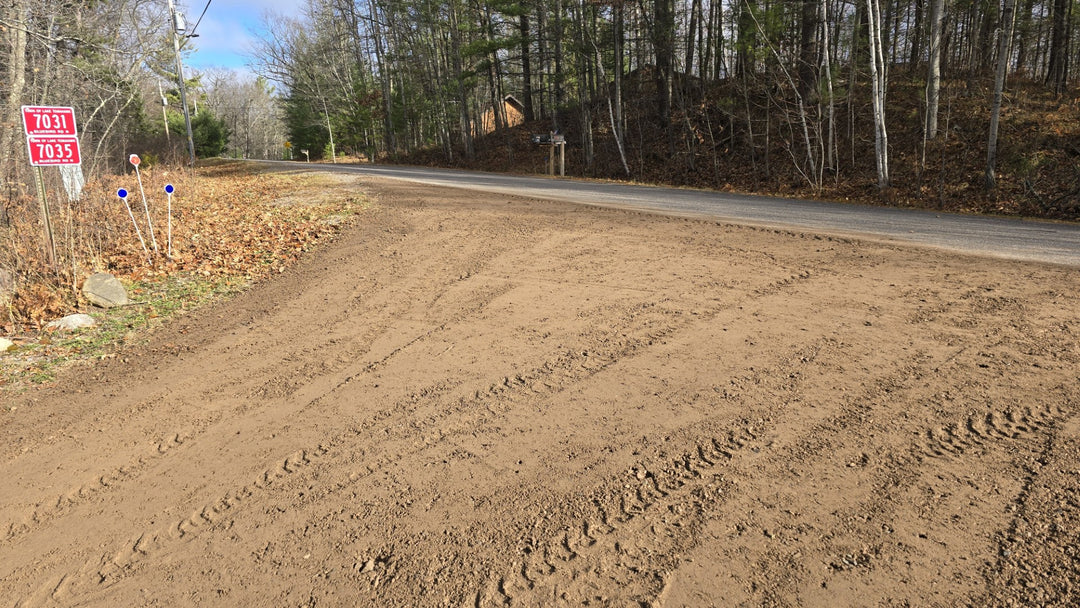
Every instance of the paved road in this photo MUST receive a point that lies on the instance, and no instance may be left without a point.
(1035, 241)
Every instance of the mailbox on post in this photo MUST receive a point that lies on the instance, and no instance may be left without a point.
(554, 140)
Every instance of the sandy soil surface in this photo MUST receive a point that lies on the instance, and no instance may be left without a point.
(481, 400)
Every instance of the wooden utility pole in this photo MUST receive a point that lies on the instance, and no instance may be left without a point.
(177, 27)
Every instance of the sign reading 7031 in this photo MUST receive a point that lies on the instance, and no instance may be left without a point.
(51, 137)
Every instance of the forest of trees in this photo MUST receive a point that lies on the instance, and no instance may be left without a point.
(372, 77)
(794, 87)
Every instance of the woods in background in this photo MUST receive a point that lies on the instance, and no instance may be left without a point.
(711, 83)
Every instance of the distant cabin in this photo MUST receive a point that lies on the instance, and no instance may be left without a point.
(512, 109)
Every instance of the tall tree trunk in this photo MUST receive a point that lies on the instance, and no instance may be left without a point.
(459, 79)
(384, 77)
(1023, 37)
(808, 50)
(830, 140)
(856, 56)
(691, 31)
(617, 78)
(1058, 69)
(663, 43)
(705, 68)
(616, 129)
(746, 39)
(933, 77)
(583, 83)
(545, 60)
(1005, 37)
(16, 77)
(526, 68)
(878, 82)
(916, 36)
(498, 108)
(557, 77)
(986, 36)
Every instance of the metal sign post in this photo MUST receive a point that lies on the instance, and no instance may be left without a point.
(123, 195)
(46, 216)
(168, 193)
(134, 160)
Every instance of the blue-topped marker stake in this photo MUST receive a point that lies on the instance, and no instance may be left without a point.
(123, 194)
(168, 193)
(135, 160)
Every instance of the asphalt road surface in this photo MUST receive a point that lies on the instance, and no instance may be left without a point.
(1027, 240)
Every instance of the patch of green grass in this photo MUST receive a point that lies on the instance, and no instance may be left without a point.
(154, 301)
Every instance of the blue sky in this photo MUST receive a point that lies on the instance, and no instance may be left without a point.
(225, 33)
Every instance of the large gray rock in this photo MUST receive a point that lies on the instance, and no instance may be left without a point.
(104, 290)
(5, 344)
(72, 322)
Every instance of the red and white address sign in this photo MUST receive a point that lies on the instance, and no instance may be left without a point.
(51, 136)
(49, 151)
(48, 120)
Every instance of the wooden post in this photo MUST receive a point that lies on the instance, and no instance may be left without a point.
(551, 155)
(562, 159)
(46, 217)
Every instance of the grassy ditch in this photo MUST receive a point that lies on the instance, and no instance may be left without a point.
(239, 225)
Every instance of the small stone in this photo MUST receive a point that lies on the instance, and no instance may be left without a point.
(72, 322)
(5, 345)
(104, 290)
(642, 473)
(369, 566)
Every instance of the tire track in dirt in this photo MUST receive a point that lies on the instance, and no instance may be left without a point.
(75, 496)
(866, 541)
(395, 305)
(758, 527)
(1036, 561)
(605, 350)
(973, 432)
(637, 526)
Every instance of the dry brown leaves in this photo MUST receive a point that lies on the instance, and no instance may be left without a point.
(229, 220)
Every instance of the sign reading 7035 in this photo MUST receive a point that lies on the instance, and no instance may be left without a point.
(51, 137)
(49, 151)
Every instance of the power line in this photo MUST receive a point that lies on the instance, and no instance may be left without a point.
(192, 32)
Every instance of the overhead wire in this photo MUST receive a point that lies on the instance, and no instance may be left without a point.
(192, 32)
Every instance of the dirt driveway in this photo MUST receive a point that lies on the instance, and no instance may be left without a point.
(481, 400)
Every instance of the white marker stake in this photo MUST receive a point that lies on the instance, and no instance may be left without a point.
(168, 192)
(134, 160)
(123, 194)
